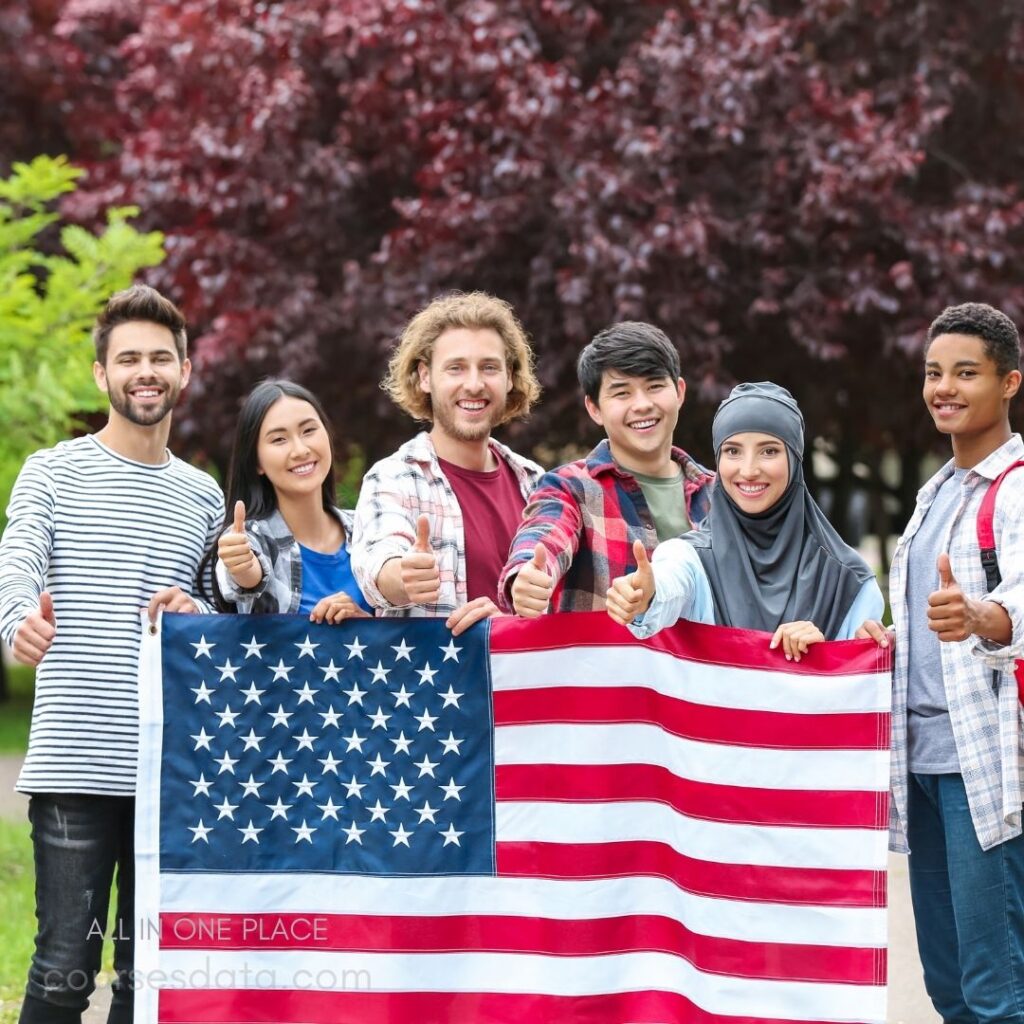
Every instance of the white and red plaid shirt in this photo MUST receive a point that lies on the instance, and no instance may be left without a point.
(981, 691)
(394, 492)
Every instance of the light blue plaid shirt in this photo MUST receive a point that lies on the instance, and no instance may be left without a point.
(980, 688)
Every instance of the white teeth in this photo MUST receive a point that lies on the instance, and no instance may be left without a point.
(472, 406)
(752, 488)
(642, 424)
(304, 469)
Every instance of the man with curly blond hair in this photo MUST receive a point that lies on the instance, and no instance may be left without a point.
(434, 520)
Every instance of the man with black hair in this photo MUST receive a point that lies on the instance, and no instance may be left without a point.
(578, 530)
(957, 765)
(97, 528)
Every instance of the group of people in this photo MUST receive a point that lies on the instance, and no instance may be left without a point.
(457, 525)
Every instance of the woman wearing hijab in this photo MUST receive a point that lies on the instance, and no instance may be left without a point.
(767, 558)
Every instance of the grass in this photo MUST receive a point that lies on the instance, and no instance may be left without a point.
(17, 923)
(16, 713)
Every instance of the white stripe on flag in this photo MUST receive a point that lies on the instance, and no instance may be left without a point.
(549, 975)
(722, 842)
(562, 900)
(692, 759)
(747, 688)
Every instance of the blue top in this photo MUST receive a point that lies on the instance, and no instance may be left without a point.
(682, 591)
(324, 574)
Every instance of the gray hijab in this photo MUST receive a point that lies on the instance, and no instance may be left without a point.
(786, 563)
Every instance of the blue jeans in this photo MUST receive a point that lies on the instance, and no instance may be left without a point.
(78, 841)
(968, 907)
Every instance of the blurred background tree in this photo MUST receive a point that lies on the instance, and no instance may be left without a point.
(792, 190)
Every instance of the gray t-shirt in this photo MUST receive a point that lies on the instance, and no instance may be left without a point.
(931, 746)
(666, 499)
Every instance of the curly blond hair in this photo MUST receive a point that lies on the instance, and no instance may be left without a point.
(473, 310)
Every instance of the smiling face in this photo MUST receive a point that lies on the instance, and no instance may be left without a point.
(963, 389)
(468, 382)
(142, 374)
(639, 415)
(754, 470)
(293, 450)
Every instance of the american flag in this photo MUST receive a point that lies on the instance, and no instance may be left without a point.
(535, 821)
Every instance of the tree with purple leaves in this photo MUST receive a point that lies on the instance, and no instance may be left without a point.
(791, 190)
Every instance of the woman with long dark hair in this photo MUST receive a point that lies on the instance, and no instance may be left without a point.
(285, 543)
(766, 558)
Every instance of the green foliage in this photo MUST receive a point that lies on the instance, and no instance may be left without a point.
(48, 302)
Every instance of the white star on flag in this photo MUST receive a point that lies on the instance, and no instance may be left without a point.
(202, 693)
(252, 740)
(355, 741)
(451, 745)
(403, 650)
(306, 648)
(451, 697)
(354, 788)
(305, 786)
(202, 740)
(400, 835)
(280, 716)
(306, 695)
(252, 649)
(426, 674)
(426, 811)
(451, 836)
(329, 763)
(330, 809)
(451, 651)
(251, 832)
(200, 784)
(252, 694)
(426, 766)
(280, 763)
(354, 834)
(281, 671)
(426, 720)
(330, 717)
(303, 832)
(379, 719)
(227, 669)
(331, 671)
(451, 791)
(355, 649)
(380, 673)
(227, 763)
(226, 810)
(200, 831)
(402, 697)
(355, 695)
(279, 810)
(203, 648)
(305, 741)
(377, 766)
(251, 786)
(402, 789)
(401, 743)
(378, 812)
(227, 716)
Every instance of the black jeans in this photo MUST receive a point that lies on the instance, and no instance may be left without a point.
(78, 841)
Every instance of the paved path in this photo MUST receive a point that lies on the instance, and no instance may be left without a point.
(907, 1002)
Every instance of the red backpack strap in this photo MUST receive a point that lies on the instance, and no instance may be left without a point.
(986, 530)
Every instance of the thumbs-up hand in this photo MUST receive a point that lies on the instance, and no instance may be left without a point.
(36, 632)
(631, 595)
(235, 551)
(533, 586)
(950, 613)
(420, 574)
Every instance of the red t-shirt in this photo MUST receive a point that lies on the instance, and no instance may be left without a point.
(492, 506)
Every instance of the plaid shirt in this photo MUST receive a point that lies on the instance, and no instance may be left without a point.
(397, 490)
(587, 514)
(277, 551)
(983, 704)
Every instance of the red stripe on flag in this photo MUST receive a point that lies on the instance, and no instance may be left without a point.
(738, 727)
(634, 933)
(602, 783)
(276, 1006)
(833, 887)
(693, 641)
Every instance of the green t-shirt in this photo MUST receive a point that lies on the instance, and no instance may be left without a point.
(667, 502)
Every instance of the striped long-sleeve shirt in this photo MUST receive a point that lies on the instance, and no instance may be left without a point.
(102, 534)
